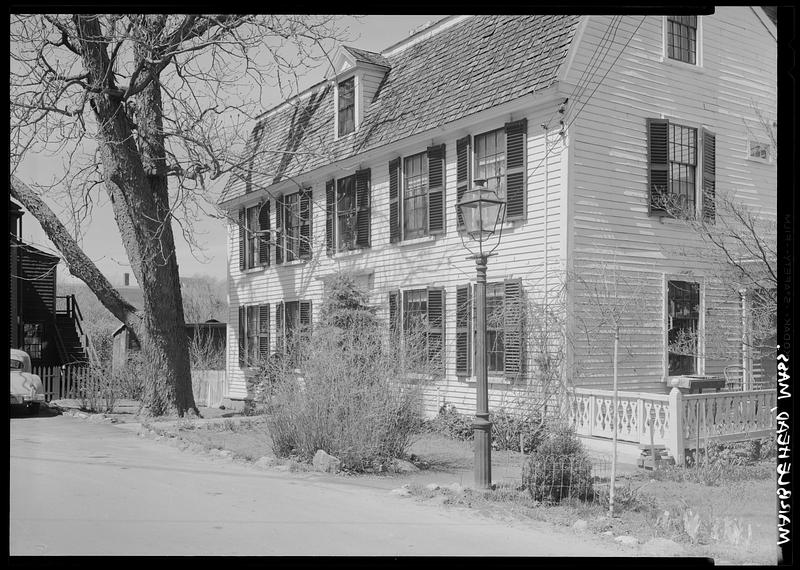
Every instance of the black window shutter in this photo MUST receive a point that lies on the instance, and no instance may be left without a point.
(305, 314)
(330, 216)
(436, 328)
(436, 177)
(305, 224)
(709, 176)
(263, 332)
(263, 224)
(279, 241)
(658, 164)
(242, 239)
(363, 207)
(516, 175)
(394, 313)
(279, 332)
(394, 200)
(463, 330)
(242, 339)
(512, 328)
(462, 172)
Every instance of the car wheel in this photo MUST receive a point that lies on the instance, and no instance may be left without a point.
(33, 409)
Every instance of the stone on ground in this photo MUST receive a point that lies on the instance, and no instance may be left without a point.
(326, 463)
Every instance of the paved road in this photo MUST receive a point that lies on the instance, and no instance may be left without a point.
(97, 489)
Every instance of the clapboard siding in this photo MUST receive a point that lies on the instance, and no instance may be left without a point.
(610, 199)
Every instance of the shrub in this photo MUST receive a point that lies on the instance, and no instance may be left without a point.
(516, 432)
(559, 468)
(352, 398)
(450, 423)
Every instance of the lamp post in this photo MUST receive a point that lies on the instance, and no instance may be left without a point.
(482, 212)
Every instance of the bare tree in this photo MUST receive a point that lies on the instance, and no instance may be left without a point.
(151, 108)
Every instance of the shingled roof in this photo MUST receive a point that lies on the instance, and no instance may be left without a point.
(368, 56)
(471, 66)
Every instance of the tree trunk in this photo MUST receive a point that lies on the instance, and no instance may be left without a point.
(136, 182)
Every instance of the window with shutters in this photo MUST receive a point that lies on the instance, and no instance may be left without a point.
(347, 212)
(683, 323)
(416, 195)
(682, 38)
(760, 151)
(417, 316)
(346, 107)
(681, 162)
(254, 241)
(294, 221)
(500, 158)
(504, 329)
(293, 323)
(253, 334)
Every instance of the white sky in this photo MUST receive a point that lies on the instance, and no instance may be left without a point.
(102, 242)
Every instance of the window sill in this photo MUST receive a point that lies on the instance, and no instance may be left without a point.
(348, 253)
(292, 263)
(417, 241)
(257, 269)
(766, 161)
(677, 64)
(492, 379)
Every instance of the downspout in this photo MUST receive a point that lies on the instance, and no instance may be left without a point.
(546, 267)
(745, 368)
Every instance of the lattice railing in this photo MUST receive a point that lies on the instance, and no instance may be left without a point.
(728, 416)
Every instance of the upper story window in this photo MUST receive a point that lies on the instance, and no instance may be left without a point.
(254, 242)
(490, 160)
(347, 207)
(347, 107)
(680, 162)
(682, 38)
(294, 226)
(416, 195)
(760, 151)
(499, 156)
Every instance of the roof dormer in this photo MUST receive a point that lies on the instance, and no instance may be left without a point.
(357, 76)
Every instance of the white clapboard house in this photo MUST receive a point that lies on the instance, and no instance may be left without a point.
(582, 123)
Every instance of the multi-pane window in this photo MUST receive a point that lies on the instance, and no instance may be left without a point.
(759, 150)
(293, 321)
(346, 213)
(683, 320)
(415, 196)
(682, 165)
(252, 228)
(347, 107)
(254, 244)
(681, 170)
(495, 322)
(682, 38)
(504, 326)
(490, 160)
(33, 340)
(420, 313)
(253, 334)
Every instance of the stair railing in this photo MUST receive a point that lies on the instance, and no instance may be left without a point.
(73, 311)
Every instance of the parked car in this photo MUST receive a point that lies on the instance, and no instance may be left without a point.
(26, 388)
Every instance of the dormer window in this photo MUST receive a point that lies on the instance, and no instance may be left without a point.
(347, 107)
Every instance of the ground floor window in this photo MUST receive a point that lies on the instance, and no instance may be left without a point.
(33, 340)
(683, 323)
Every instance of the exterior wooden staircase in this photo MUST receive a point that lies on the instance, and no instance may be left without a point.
(74, 345)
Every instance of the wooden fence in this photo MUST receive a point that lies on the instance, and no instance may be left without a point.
(61, 382)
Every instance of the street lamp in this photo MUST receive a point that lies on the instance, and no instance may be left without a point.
(483, 213)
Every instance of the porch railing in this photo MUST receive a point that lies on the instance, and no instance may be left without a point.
(678, 421)
(592, 414)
